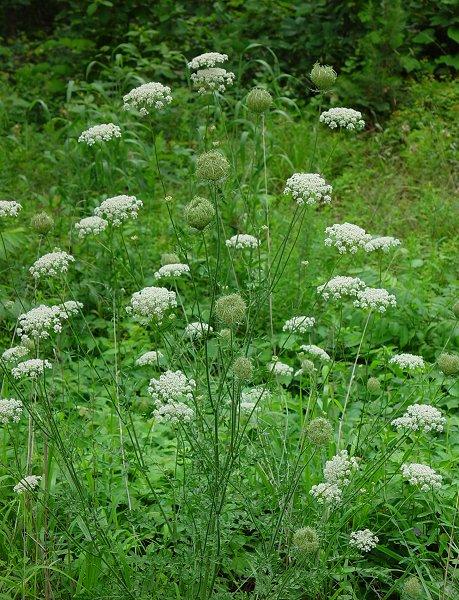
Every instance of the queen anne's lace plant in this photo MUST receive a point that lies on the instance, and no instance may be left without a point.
(346, 237)
(207, 60)
(212, 79)
(308, 188)
(174, 412)
(149, 358)
(170, 387)
(100, 133)
(172, 270)
(364, 540)
(32, 368)
(421, 417)
(197, 330)
(377, 299)
(340, 468)
(407, 362)
(90, 226)
(151, 303)
(255, 395)
(315, 351)
(243, 240)
(382, 243)
(52, 264)
(327, 493)
(340, 287)
(421, 476)
(118, 209)
(27, 484)
(147, 96)
(10, 410)
(39, 322)
(299, 324)
(344, 118)
(14, 354)
(9, 208)
(279, 368)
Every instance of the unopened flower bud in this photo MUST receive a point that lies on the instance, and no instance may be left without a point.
(448, 363)
(319, 431)
(243, 368)
(231, 309)
(212, 166)
(42, 223)
(373, 385)
(169, 258)
(259, 100)
(306, 540)
(199, 213)
(323, 77)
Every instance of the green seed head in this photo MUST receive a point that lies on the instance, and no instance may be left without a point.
(323, 76)
(412, 589)
(243, 368)
(199, 213)
(448, 363)
(42, 223)
(306, 540)
(319, 431)
(212, 166)
(231, 309)
(169, 258)
(259, 100)
(373, 385)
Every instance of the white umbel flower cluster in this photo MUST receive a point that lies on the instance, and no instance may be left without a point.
(377, 299)
(51, 264)
(212, 79)
(147, 96)
(308, 188)
(151, 303)
(172, 270)
(407, 362)
(344, 118)
(149, 358)
(421, 417)
(280, 369)
(327, 493)
(9, 208)
(299, 324)
(100, 133)
(242, 240)
(254, 395)
(421, 476)
(340, 287)
(207, 60)
(346, 237)
(337, 475)
(364, 540)
(315, 351)
(10, 410)
(197, 330)
(39, 322)
(91, 226)
(174, 412)
(27, 484)
(32, 368)
(171, 386)
(382, 243)
(118, 209)
(14, 354)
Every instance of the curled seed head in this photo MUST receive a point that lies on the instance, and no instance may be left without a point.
(373, 385)
(448, 363)
(212, 166)
(323, 76)
(319, 431)
(306, 540)
(199, 213)
(259, 100)
(412, 589)
(42, 223)
(231, 309)
(243, 368)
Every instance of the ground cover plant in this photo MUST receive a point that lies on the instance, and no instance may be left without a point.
(229, 327)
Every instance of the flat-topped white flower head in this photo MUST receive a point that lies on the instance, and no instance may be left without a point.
(32, 368)
(10, 410)
(241, 241)
(172, 270)
(315, 352)
(100, 133)
(377, 299)
(171, 386)
(91, 226)
(52, 264)
(118, 209)
(255, 395)
(407, 362)
(381, 243)
(15, 354)
(174, 412)
(299, 324)
(344, 118)
(340, 287)
(153, 95)
(27, 484)
(327, 493)
(39, 322)
(340, 468)
(280, 369)
(207, 60)
(421, 476)
(214, 79)
(346, 237)
(308, 188)
(197, 330)
(9, 208)
(149, 358)
(151, 303)
(364, 540)
(421, 417)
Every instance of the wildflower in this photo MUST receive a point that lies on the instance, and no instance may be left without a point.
(255, 395)
(422, 476)
(174, 412)
(38, 322)
(421, 417)
(340, 287)
(9, 208)
(259, 100)
(308, 188)
(151, 303)
(32, 368)
(14, 354)
(412, 589)
(212, 79)
(10, 410)
(327, 493)
(42, 223)
(169, 258)
(383, 243)
(149, 358)
(307, 366)
(27, 484)
(315, 351)
(407, 362)
(448, 363)
(208, 60)
(118, 209)
(51, 264)
(364, 540)
(373, 385)
(100, 133)
(172, 270)
(197, 330)
(280, 369)
(243, 368)
(375, 299)
(242, 240)
(231, 309)
(199, 213)
(306, 540)
(212, 166)
(340, 468)
(171, 386)
(91, 226)
(346, 237)
(323, 76)
(344, 118)
(299, 324)
(319, 431)
(147, 96)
